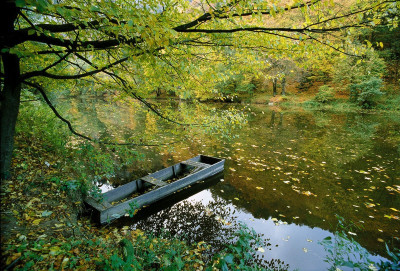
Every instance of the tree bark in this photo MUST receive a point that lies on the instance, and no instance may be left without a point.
(274, 86)
(11, 89)
(10, 98)
(284, 86)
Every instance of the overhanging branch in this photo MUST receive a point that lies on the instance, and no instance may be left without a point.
(73, 131)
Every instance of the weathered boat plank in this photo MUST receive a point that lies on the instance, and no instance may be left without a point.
(196, 164)
(205, 166)
(153, 181)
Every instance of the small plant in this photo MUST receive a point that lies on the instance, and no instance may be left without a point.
(343, 251)
(241, 255)
(366, 93)
(133, 208)
(394, 263)
(325, 94)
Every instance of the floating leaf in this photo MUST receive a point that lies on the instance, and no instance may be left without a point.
(259, 188)
(261, 250)
(46, 213)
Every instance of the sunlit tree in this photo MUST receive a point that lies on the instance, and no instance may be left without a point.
(139, 46)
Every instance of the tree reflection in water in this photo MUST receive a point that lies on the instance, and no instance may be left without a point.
(214, 223)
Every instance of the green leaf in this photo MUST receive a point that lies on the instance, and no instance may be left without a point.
(46, 213)
(31, 32)
(20, 3)
(229, 258)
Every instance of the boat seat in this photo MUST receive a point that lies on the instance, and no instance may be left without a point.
(153, 181)
(195, 164)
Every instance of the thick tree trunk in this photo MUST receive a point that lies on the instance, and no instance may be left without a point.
(11, 89)
(10, 98)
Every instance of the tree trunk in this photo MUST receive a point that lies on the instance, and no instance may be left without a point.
(10, 98)
(283, 86)
(274, 83)
(11, 89)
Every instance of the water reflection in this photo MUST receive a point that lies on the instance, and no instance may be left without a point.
(201, 217)
(301, 168)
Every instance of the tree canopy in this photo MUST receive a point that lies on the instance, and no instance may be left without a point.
(135, 47)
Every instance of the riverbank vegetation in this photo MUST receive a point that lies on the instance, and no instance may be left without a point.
(339, 55)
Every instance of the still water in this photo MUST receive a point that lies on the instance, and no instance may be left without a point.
(287, 175)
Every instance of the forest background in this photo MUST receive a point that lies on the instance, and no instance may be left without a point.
(335, 55)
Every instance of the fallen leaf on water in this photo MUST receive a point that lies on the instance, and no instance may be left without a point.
(46, 213)
(261, 249)
(380, 240)
(392, 217)
(308, 193)
(369, 205)
(259, 188)
(305, 250)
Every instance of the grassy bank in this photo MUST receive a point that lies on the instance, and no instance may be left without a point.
(309, 100)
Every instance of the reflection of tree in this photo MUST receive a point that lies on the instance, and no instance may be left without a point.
(194, 222)
(87, 109)
(272, 120)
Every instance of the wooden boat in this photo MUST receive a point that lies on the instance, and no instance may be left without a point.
(117, 202)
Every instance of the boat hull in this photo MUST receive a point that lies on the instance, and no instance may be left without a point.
(106, 212)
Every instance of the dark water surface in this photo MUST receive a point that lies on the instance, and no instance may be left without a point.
(287, 175)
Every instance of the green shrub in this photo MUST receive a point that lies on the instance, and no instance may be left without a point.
(38, 123)
(343, 251)
(366, 93)
(353, 70)
(325, 94)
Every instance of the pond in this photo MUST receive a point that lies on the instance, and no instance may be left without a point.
(288, 173)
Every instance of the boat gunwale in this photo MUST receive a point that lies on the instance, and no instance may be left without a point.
(163, 191)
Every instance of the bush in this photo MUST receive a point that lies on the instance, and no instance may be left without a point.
(366, 93)
(355, 71)
(325, 94)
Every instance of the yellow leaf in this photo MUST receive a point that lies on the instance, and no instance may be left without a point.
(236, 198)
(261, 250)
(394, 209)
(259, 188)
(36, 221)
